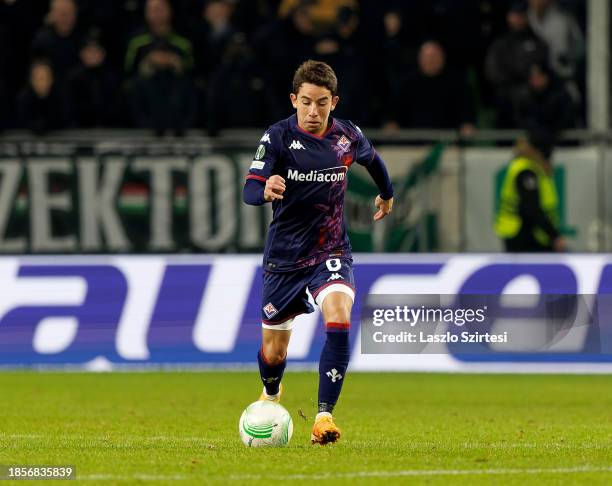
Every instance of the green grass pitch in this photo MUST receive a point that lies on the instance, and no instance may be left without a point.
(398, 428)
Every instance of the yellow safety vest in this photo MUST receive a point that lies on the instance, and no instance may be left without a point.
(508, 222)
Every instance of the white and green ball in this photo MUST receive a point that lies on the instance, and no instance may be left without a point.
(265, 424)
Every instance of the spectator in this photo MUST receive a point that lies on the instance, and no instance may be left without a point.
(158, 16)
(162, 96)
(343, 50)
(212, 34)
(117, 21)
(325, 26)
(561, 33)
(40, 106)
(457, 25)
(509, 61)
(433, 96)
(92, 87)
(238, 95)
(374, 45)
(60, 40)
(19, 22)
(528, 218)
(284, 44)
(297, 37)
(323, 14)
(544, 102)
(396, 59)
(400, 50)
(249, 15)
(348, 29)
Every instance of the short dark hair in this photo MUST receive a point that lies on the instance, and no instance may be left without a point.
(317, 73)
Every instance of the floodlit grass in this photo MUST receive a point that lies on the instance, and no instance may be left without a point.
(132, 428)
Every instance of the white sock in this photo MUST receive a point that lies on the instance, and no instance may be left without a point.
(323, 414)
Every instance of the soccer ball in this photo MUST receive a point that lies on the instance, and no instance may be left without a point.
(264, 424)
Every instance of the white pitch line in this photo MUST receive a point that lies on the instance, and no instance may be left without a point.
(423, 472)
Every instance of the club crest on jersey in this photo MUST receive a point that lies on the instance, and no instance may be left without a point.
(344, 143)
(270, 310)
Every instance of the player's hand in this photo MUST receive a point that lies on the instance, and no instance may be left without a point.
(384, 207)
(275, 186)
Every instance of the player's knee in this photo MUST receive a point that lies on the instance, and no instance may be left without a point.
(338, 314)
(337, 307)
(338, 311)
(274, 354)
(275, 358)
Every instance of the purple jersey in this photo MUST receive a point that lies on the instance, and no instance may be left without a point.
(308, 223)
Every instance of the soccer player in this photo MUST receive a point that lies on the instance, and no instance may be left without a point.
(300, 167)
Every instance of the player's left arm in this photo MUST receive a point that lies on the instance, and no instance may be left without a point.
(384, 200)
(368, 157)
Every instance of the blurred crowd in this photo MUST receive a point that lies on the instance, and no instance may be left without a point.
(172, 65)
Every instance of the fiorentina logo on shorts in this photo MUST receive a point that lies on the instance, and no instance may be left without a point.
(270, 310)
(344, 143)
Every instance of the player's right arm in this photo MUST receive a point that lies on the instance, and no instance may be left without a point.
(262, 185)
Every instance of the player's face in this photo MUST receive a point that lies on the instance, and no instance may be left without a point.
(313, 104)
